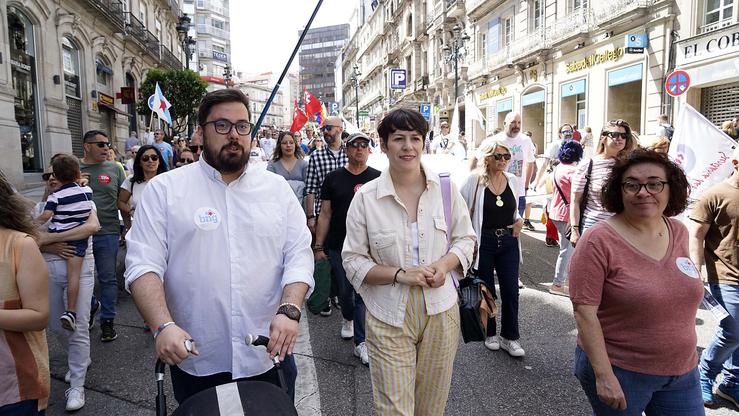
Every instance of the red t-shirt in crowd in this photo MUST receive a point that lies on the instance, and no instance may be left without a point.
(646, 307)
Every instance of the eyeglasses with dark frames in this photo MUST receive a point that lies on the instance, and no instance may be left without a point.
(652, 187)
(48, 175)
(616, 135)
(223, 126)
(501, 156)
(100, 144)
(186, 161)
(358, 145)
(146, 158)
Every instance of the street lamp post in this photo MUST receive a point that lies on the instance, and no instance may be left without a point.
(455, 50)
(355, 79)
(188, 42)
(227, 74)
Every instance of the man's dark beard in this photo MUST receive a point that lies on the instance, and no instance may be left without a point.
(329, 139)
(223, 163)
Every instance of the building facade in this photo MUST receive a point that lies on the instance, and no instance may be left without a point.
(69, 67)
(258, 95)
(317, 57)
(211, 29)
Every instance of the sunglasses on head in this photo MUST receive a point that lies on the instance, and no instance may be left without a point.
(146, 158)
(616, 134)
(186, 161)
(358, 145)
(196, 147)
(100, 144)
(47, 176)
(500, 156)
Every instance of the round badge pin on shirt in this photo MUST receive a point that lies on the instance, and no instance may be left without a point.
(687, 267)
(207, 218)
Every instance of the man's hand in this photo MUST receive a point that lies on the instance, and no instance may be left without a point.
(170, 345)
(516, 229)
(283, 332)
(416, 276)
(62, 250)
(610, 392)
(312, 225)
(319, 255)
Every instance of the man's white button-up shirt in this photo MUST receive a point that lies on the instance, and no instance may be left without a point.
(224, 252)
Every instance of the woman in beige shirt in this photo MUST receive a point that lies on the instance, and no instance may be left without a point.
(398, 258)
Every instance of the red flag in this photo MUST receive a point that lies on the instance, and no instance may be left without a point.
(299, 119)
(312, 105)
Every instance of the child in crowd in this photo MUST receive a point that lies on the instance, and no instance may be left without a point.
(68, 208)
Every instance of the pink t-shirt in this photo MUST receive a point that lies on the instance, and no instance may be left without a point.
(646, 307)
(558, 210)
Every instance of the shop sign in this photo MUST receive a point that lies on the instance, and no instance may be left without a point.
(127, 95)
(20, 65)
(625, 75)
(533, 98)
(710, 45)
(105, 99)
(363, 113)
(220, 56)
(504, 106)
(493, 93)
(595, 59)
(635, 43)
(71, 85)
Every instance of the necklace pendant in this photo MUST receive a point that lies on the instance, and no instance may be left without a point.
(499, 201)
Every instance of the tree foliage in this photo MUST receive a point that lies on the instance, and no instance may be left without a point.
(183, 88)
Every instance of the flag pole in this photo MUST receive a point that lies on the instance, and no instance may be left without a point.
(284, 71)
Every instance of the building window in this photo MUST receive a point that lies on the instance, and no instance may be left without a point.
(718, 13)
(537, 14)
(409, 26)
(219, 24)
(507, 31)
(579, 4)
(483, 46)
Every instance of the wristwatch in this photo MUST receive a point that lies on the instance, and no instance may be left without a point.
(290, 310)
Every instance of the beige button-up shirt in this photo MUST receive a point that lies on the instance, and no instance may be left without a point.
(378, 232)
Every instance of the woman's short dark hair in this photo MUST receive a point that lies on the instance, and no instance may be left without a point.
(679, 187)
(66, 168)
(278, 147)
(227, 95)
(570, 152)
(138, 170)
(402, 119)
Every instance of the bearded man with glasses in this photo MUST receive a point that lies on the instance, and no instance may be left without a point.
(240, 262)
(105, 179)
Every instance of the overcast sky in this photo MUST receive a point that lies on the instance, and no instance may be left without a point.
(264, 33)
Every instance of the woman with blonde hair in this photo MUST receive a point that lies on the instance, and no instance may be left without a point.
(493, 193)
(616, 139)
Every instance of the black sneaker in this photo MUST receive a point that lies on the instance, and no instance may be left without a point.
(335, 302)
(94, 309)
(326, 311)
(108, 332)
(551, 243)
(68, 320)
(528, 225)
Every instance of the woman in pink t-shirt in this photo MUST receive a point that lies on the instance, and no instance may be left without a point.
(635, 293)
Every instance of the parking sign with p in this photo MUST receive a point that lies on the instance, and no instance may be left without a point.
(397, 78)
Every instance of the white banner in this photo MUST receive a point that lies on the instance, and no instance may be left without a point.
(702, 150)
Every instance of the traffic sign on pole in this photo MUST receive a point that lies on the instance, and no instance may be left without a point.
(677, 83)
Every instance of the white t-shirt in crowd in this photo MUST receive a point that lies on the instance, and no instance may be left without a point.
(138, 189)
(522, 152)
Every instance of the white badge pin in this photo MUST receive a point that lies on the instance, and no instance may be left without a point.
(207, 219)
(687, 267)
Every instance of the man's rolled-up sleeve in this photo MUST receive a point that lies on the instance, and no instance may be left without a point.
(146, 242)
(355, 253)
(296, 252)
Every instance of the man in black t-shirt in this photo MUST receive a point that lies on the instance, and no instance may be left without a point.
(337, 191)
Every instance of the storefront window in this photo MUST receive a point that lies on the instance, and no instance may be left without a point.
(503, 107)
(71, 66)
(573, 105)
(23, 73)
(532, 116)
(624, 95)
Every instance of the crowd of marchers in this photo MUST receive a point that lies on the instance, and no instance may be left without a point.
(384, 247)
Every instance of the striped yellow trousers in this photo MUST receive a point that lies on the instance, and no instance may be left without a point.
(411, 367)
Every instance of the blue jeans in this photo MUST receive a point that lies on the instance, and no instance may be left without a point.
(501, 253)
(105, 250)
(24, 408)
(654, 395)
(722, 353)
(352, 305)
(521, 205)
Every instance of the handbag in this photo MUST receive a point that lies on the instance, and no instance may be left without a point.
(583, 201)
(476, 301)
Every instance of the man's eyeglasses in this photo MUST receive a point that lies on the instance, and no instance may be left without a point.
(47, 176)
(146, 158)
(224, 126)
(653, 187)
(500, 156)
(616, 134)
(196, 148)
(358, 145)
(100, 144)
(186, 161)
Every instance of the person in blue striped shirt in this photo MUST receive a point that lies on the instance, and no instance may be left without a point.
(68, 208)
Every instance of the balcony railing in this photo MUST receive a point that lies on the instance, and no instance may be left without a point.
(169, 59)
(714, 26)
(568, 26)
(112, 9)
(208, 5)
(478, 8)
(604, 12)
(528, 44)
(212, 30)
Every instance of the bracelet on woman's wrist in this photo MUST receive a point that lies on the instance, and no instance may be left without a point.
(395, 278)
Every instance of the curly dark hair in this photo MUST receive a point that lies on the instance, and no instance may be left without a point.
(138, 170)
(15, 211)
(679, 187)
(570, 152)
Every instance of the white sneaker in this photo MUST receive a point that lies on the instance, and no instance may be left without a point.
(492, 343)
(513, 347)
(75, 398)
(360, 351)
(347, 329)
(68, 375)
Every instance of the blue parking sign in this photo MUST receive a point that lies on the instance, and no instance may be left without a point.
(425, 109)
(397, 78)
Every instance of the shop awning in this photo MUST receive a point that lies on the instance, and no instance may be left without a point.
(625, 75)
(533, 98)
(572, 88)
(504, 105)
(114, 109)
